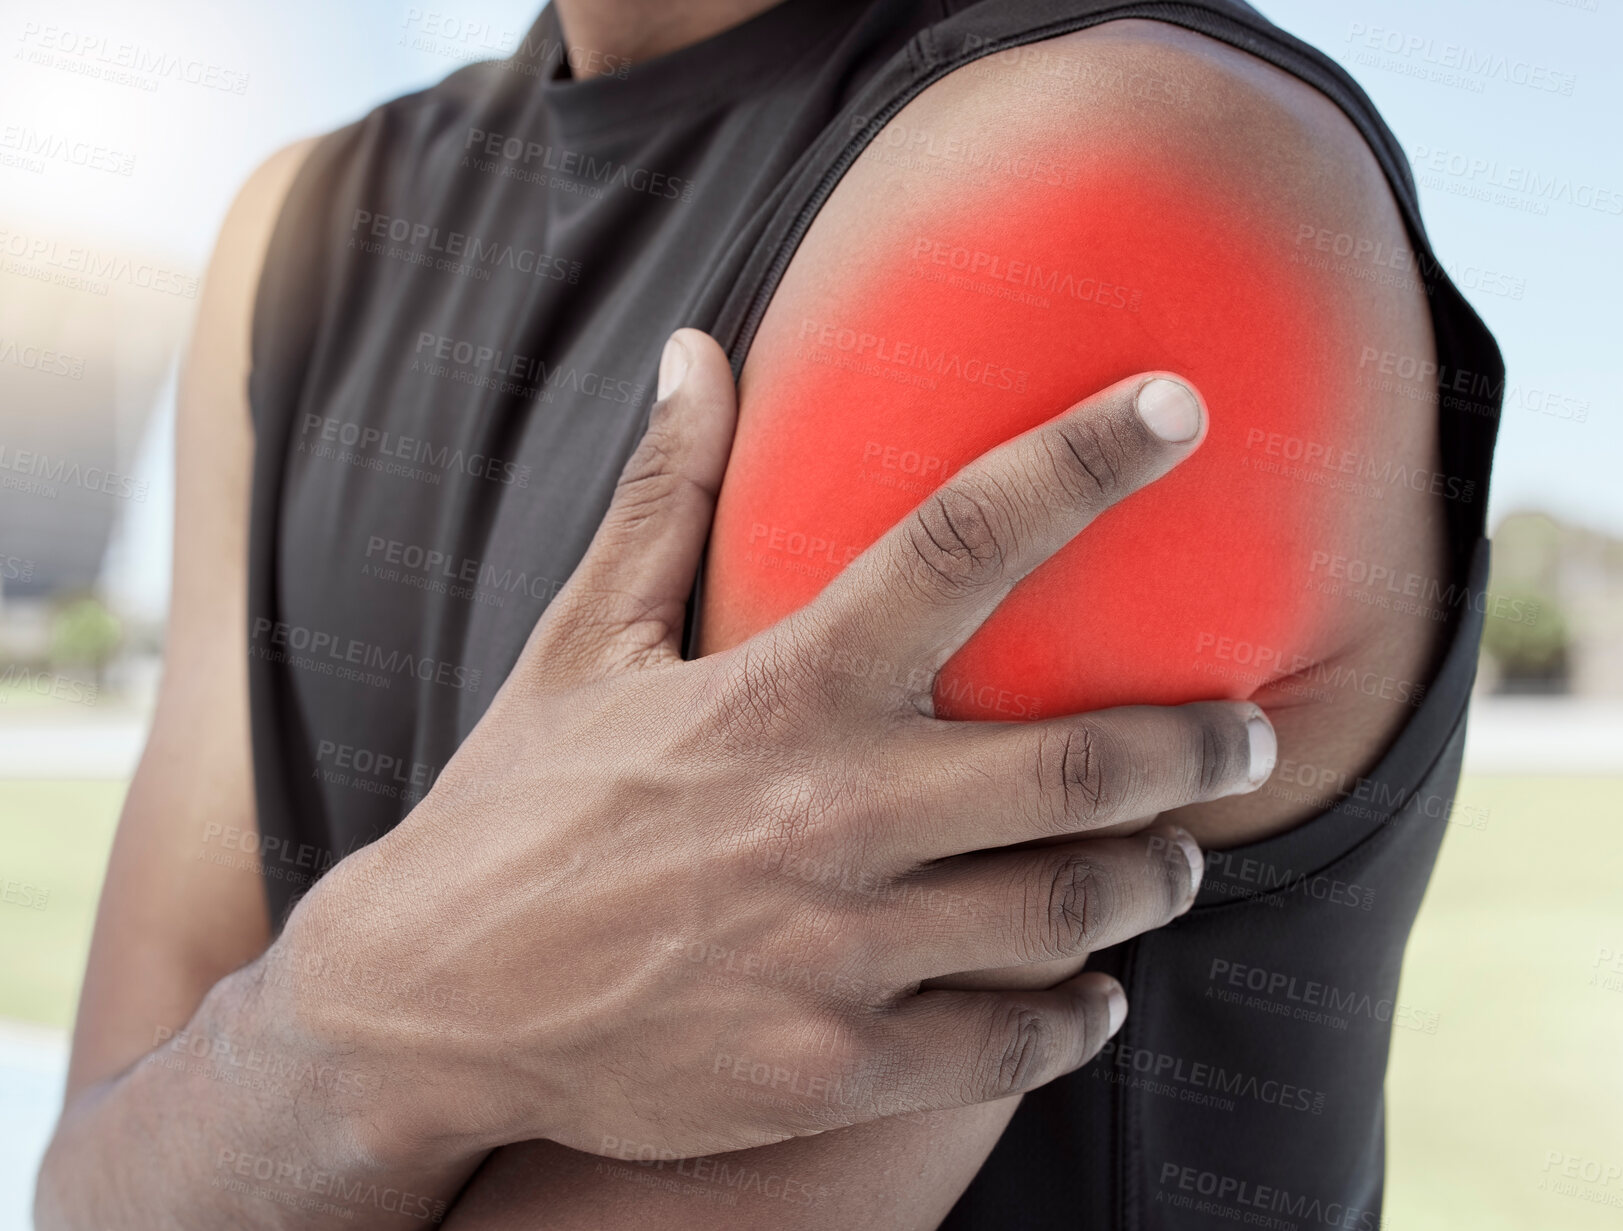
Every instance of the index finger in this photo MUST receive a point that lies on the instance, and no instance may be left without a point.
(923, 589)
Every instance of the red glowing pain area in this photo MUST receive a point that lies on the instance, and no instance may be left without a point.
(891, 358)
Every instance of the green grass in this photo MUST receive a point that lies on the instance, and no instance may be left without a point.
(53, 836)
(1528, 1055)
(1527, 1058)
(37, 693)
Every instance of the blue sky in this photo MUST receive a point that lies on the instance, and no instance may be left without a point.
(1561, 338)
(1515, 100)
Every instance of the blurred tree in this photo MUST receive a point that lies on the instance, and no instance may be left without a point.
(84, 633)
(1533, 655)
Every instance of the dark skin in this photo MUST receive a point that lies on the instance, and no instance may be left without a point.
(183, 944)
(638, 30)
(903, 1172)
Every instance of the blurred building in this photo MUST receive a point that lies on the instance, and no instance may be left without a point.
(88, 333)
(81, 361)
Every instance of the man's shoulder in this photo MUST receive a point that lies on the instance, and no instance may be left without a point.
(1034, 227)
(1150, 89)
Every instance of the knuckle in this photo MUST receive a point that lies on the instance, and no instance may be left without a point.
(1074, 904)
(832, 1051)
(1090, 460)
(842, 949)
(1093, 1032)
(652, 478)
(1017, 1052)
(637, 502)
(1072, 778)
(837, 1039)
(1217, 751)
(955, 538)
(623, 624)
(1175, 879)
(652, 472)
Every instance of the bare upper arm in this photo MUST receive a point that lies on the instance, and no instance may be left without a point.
(181, 907)
(1034, 228)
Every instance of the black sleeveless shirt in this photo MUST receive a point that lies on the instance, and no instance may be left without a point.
(454, 347)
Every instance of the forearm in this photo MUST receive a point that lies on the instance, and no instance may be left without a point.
(903, 1173)
(235, 1121)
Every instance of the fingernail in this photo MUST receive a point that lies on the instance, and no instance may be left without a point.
(1170, 410)
(1117, 1000)
(673, 366)
(1196, 860)
(1264, 750)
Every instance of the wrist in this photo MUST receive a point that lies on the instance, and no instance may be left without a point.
(326, 1050)
(342, 1005)
(317, 1111)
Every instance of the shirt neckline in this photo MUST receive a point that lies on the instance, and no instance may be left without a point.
(729, 64)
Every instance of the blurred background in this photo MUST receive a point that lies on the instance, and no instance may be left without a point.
(1506, 1112)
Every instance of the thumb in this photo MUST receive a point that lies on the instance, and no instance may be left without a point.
(623, 607)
